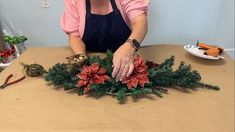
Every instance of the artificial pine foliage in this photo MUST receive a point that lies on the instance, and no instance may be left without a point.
(95, 78)
(62, 75)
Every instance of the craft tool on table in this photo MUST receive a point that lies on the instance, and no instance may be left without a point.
(7, 83)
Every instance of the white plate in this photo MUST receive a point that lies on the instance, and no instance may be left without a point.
(4, 65)
(194, 50)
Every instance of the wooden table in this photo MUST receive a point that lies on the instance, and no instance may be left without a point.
(32, 105)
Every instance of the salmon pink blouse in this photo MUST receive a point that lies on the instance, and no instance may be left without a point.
(74, 14)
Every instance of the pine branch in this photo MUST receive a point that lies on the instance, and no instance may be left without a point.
(186, 77)
(214, 87)
(167, 64)
(62, 75)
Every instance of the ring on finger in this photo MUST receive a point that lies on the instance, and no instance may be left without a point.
(127, 65)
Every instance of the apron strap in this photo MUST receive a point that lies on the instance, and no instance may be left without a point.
(114, 6)
(88, 8)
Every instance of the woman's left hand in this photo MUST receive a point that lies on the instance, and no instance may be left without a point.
(123, 62)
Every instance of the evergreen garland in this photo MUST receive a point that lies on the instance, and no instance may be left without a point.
(160, 78)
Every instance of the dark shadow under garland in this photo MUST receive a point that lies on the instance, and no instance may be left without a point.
(94, 78)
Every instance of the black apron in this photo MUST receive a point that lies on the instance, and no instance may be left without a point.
(105, 32)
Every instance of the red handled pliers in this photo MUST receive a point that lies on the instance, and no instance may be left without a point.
(5, 84)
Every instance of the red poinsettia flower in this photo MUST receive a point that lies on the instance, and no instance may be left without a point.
(92, 75)
(139, 75)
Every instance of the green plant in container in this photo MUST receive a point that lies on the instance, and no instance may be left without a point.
(15, 39)
(14, 42)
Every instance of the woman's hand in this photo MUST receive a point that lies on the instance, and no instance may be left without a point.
(123, 62)
(124, 57)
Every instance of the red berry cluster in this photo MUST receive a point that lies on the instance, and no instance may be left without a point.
(5, 54)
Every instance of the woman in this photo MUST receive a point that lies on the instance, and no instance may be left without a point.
(99, 25)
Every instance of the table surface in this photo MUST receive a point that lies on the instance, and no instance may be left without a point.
(33, 105)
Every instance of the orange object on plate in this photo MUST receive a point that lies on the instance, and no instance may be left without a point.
(212, 52)
(210, 49)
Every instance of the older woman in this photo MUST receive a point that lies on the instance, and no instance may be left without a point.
(99, 25)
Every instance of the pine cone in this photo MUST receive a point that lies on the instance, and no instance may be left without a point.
(78, 60)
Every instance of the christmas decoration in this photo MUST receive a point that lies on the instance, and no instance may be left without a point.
(95, 77)
(139, 75)
(91, 75)
(33, 70)
(78, 60)
(4, 55)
